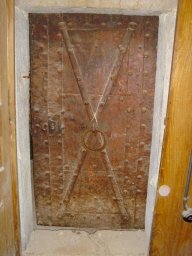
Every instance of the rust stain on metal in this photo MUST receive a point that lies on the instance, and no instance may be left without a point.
(92, 92)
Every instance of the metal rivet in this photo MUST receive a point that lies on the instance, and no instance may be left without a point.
(122, 49)
(131, 28)
(125, 191)
(132, 23)
(59, 157)
(59, 141)
(140, 159)
(44, 53)
(121, 98)
(146, 55)
(142, 143)
(112, 78)
(139, 176)
(87, 23)
(147, 35)
(59, 35)
(126, 161)
(45, 141)
(119, 23)
(120, 46)
(138, 191)
(128, 110)
(126, 177)
(59, 51)
(61, 23)
(144, 91)
(36, 109)
(130, 73)
(59, 70)
(143, 109)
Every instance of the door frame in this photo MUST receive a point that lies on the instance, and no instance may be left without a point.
(8, 13)
(165, 48)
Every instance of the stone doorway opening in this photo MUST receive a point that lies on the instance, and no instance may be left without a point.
(164, 54)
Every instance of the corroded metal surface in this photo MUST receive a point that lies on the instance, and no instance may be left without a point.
(92, 91)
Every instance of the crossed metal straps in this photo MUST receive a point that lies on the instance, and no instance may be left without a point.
(92, 116)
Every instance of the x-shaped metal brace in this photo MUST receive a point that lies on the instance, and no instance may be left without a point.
(93, 115)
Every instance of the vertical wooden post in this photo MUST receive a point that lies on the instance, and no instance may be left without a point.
(172, 236)
(12, 120)
(9, 210)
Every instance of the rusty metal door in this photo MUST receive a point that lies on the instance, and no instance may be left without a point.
(92, 93)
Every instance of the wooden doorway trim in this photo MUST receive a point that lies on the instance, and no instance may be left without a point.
(12, 121)
(8, 122)
(170, 234)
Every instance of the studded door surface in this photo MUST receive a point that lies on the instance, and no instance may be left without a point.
(92, 93)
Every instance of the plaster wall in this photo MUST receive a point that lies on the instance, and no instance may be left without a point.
(164, 60)
(153, 7)
(22, 123)
(167, 13)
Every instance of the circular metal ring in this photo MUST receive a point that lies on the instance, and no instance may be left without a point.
(84, 136)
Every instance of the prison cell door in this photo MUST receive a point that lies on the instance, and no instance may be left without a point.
(92, 92)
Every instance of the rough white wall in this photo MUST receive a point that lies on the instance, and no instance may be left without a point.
(153, 7)
(164, 59)
(22, 123)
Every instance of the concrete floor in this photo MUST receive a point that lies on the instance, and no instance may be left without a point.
(81, 243)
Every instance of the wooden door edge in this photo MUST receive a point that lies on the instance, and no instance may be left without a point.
(160, 207)
(12, 122)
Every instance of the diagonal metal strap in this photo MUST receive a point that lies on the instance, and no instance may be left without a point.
(93, 116)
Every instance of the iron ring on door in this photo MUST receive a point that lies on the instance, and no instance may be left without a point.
(86, 133)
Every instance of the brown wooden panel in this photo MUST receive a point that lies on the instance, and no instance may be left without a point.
(171, 235)
(92, 91)
(9, 219)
